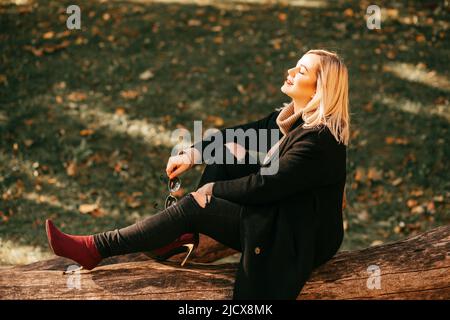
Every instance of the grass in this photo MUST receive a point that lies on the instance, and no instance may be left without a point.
(86, 115)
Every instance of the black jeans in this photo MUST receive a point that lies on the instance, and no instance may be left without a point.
(220, 219)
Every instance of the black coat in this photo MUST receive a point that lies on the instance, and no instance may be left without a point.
(291, 221)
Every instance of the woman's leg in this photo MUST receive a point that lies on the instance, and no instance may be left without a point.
(223, 171)
(219, 219)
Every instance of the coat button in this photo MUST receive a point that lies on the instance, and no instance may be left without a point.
(257, 250)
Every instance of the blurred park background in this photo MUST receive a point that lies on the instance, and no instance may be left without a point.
(86, 115)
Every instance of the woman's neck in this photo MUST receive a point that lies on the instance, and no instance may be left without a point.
(299, 105)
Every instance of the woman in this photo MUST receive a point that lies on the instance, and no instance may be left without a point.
(285, 224)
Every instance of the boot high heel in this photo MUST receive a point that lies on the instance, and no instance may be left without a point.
(187, 242)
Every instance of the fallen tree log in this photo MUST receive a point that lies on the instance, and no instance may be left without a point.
(417, 267)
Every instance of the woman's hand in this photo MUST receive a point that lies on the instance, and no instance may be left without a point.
(206, 189)
(181, 162)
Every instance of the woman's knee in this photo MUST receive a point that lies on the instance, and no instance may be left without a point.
(201, 198)
(236, 150)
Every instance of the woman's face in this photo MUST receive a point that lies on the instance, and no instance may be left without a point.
(300, 83)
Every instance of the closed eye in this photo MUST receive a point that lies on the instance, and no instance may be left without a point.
(300, 70)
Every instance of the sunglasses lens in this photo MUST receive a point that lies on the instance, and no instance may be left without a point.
(174, 184)
(170, 201)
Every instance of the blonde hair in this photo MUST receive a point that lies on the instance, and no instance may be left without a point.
(329, 106)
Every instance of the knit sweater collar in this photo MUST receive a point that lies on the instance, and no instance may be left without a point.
(287, 118)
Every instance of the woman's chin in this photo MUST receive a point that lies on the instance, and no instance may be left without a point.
(284, 90)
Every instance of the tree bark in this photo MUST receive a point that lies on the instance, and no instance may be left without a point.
(414, 268)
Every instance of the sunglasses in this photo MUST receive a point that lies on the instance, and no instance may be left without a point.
(173, 185)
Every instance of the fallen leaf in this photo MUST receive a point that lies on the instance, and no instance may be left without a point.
(28, 142)
(80, 40)
(391, 54)
(87, 208)
(392, 13)
(63, 34)
(194, 22)
(389, 140)
(86, 132)
(241, 88)
(218, 40)
(282, 16)
(133, 202)
(50, 48)
(48, 35)
(99, 212)
(411, 203)
(348, 12)
(35, 51)
(218, 121)
(129, 94)
(363, 216)
(61, 85)
(375, 174)
(417, 193)
(420, 38)
(360, 174)
(146, 75)
(397, 181)
(276, 43)
(431, 207)
(72, 169)
(121, 165)
(376, 243)
(3, 79)
(76, 96)
(417, 210)
(120, 111)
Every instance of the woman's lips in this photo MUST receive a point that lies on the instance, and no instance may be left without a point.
(288, 82)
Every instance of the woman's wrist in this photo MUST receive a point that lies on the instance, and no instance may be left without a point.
(193, 154)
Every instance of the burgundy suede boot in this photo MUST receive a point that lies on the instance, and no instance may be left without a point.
(81, 249)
